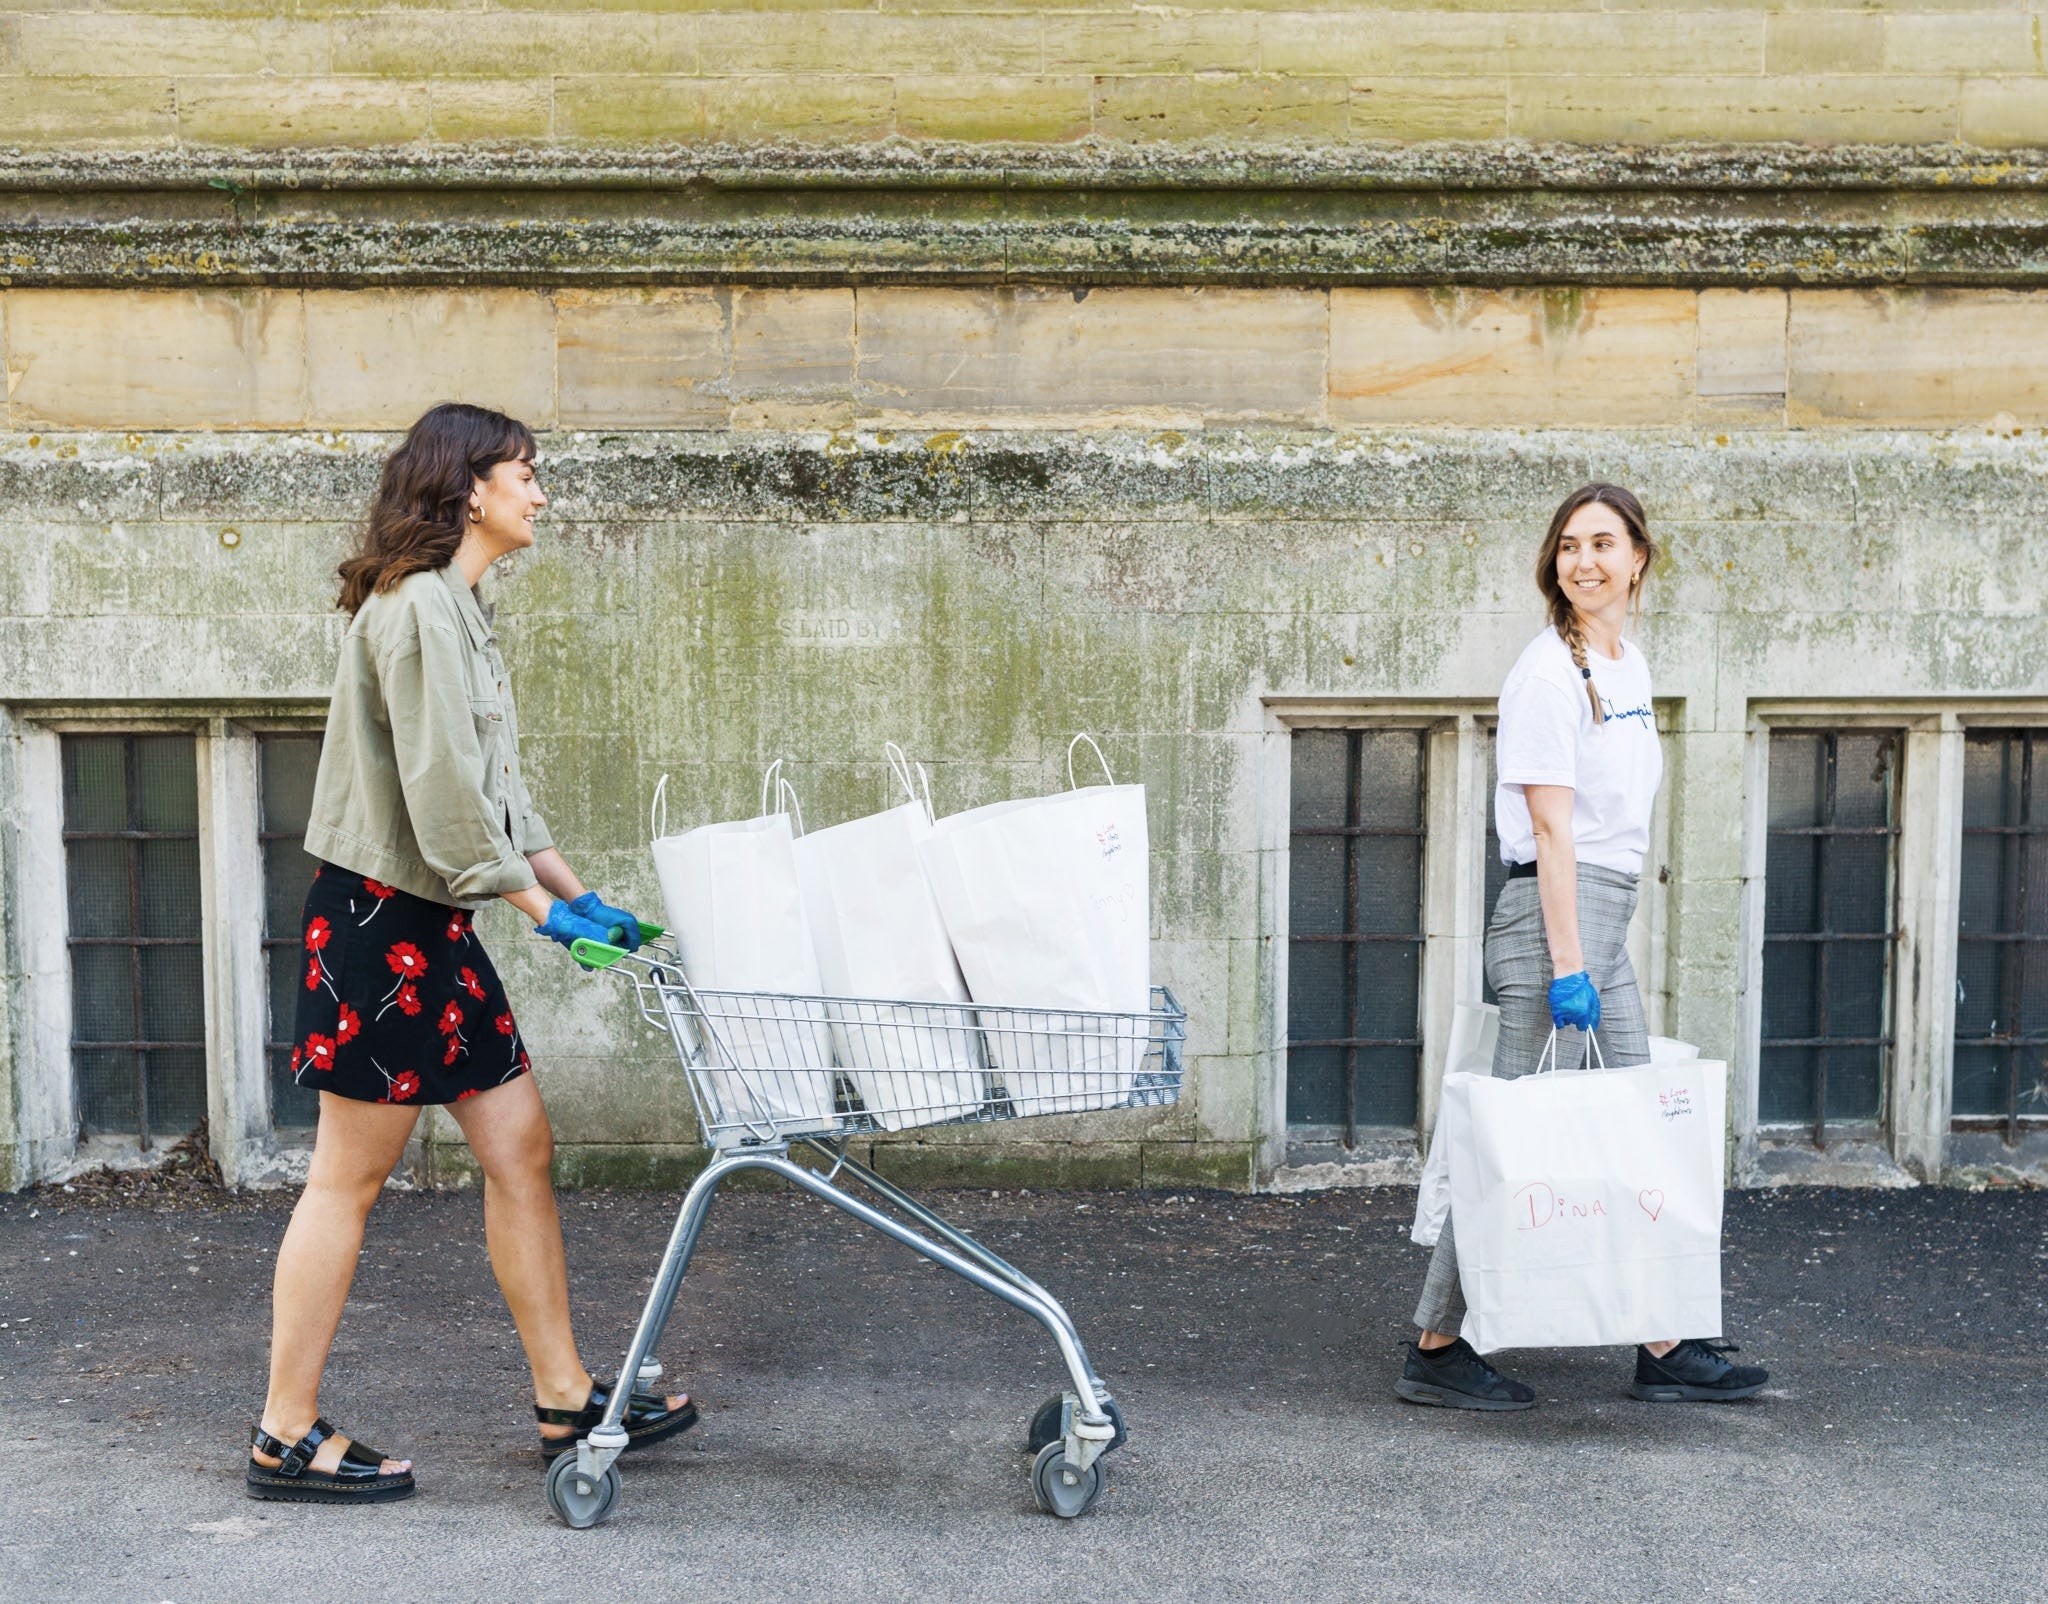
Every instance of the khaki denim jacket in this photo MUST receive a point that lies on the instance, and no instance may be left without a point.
(419, 782)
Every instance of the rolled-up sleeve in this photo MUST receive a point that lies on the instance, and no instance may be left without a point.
(459, 830)
(530, 828)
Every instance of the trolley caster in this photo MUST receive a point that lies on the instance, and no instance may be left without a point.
(1049, 1424)
(575, 1498)
(1061, 1489)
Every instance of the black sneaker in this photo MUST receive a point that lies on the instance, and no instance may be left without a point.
(1696, 1370)
(1455, 1377)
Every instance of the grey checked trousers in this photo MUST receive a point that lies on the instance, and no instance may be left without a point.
(1518, 969)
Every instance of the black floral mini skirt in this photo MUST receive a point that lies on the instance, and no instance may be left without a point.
(399, 1002)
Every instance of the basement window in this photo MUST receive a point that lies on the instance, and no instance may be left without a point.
(1830, 925)
(1355, 929)
(287, 768)
(138, 1004)
(2001, 1032)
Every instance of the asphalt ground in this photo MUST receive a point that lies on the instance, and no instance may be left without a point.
(864, 1413)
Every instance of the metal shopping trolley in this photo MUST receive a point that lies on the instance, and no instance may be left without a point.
(768, 1072)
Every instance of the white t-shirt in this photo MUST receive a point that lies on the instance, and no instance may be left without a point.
(1547, 737)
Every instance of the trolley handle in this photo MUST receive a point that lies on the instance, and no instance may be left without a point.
(602, 955)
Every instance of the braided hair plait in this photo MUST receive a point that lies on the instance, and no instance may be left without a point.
(1574, 633)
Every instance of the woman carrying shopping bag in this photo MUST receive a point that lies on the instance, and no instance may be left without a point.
(1579, 765)
(419, 818)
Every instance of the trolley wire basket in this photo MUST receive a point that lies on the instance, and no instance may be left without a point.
(768, 1070)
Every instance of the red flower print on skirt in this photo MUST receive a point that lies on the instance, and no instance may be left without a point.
(295, 1063)
(350, 1027)
(472, 985)
(458, 925)
(504, 1024)
(408, 1000)
(318, 933)
(467, 1092)
(380, 892)
(398, 1088)
(450, 1023)
(407, 962)
(319, 1052)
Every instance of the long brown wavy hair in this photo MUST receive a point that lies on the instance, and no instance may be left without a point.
(1564, 617)
(416, 517)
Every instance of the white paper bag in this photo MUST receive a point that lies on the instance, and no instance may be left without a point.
(1588, 1204)
(737, 917)
(878, 934)
(1048, 906)
(1475, 1028)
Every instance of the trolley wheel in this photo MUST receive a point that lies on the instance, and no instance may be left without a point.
(1062, 1490)
(577, 1500)
(1045, 1425)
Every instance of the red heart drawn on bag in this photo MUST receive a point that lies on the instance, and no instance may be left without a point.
(1652, 1201)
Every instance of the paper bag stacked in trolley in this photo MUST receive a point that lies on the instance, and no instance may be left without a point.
(866, 936)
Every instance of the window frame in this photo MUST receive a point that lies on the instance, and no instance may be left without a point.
(2014, 1126)
(45, 1116)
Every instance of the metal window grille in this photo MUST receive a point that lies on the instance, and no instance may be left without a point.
(1496, 871)
(288, 765)
(2001, 1035)
(1830, 924)
(1355, 929)
(131, 877)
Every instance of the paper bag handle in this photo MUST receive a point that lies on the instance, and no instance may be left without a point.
(1549, 1055)
(899, 765)
(658, 811)
(770, 778)
(786, 802)
(1076, 741)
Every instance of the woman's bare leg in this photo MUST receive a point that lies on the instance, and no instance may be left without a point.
(354, 1151)
(507, 1128)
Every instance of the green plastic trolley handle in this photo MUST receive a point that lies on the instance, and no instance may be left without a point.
(602, 955)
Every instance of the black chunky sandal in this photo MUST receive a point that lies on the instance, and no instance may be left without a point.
(359, 1479)
(648, 1419)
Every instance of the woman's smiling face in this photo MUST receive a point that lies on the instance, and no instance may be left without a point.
(1597, 561)
(509, 498)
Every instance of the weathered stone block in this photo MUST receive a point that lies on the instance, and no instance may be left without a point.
(47, 111)
(1918, 358)
(1742, 343)
(230, 478)
(1174, 357)
(831, 42)
(977, 106)
(792, 356)
(1428, 108)
(491, 108)
(379, 358)
(646, 359)
(655, 109)
(433, 44)
(277, 112)
(68, 44)
(1058, 477)
(1999, 113)
(1257, 107)
(1172, 44)
(171, 359)
(1826, 42)
(1807, 109)
(1979, 46)
(1443, 43)
(1622, 357)
(823, 108)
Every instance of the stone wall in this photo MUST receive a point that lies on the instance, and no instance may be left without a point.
(354, 72)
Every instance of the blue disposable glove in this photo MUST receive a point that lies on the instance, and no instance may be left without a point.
(1574, 1004)
(564, 925)
(627, 928)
